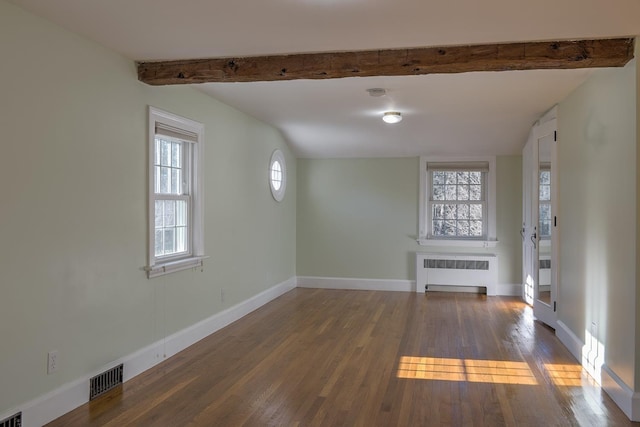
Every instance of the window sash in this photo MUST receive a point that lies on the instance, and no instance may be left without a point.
(180, 225)
(178, 171)
(458, 222)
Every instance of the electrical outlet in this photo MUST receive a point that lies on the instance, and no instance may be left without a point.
(52, 362)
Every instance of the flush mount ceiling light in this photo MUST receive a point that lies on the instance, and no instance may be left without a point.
(392, 117)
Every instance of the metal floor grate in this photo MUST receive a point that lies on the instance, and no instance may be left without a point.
(12, 421)
(105, 381)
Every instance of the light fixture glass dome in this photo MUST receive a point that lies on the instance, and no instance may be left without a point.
(392, 117)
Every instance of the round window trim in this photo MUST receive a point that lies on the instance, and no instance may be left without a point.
(277, 175)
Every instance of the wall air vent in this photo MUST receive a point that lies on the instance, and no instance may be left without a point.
(12, 421)
(105, 381)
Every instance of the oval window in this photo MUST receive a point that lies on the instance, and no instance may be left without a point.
(277, 175)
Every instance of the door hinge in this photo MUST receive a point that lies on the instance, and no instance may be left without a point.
(554, 306)
(555, 221)
(555, 135)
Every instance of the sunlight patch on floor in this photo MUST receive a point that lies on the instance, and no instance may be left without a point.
(566, 375)
(470, 370)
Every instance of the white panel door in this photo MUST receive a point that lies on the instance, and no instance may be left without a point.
(528, 227)
(543, 236)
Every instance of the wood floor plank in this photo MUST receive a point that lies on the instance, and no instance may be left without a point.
(318, 357)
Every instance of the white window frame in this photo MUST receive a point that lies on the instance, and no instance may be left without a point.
(192, 133)
(424, 215)
(278, 193)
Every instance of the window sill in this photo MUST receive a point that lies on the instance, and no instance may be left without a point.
(458, 243)
(173, 266)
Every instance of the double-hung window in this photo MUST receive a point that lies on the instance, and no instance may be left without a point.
(175, 193)
(457, 201)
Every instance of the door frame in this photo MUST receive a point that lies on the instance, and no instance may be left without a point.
(545, 127)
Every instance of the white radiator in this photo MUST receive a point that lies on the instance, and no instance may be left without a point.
(476, 270)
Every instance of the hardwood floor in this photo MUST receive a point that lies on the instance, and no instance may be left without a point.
(364, 358)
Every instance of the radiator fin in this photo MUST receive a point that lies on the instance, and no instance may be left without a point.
(105, 381)
(457, 264)
(12, 421)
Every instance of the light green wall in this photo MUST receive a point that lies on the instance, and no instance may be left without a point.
(358, 218)
(73, 119)
(597, 213)
(509, 218)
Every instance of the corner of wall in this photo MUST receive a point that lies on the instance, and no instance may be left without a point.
(637, 313)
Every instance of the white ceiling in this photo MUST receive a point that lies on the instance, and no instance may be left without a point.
(444, 114)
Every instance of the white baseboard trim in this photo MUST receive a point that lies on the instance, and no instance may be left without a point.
(317, 282)
(570, 340)
(621, 394)
(356, 284)
(62, 400)
(509, 289)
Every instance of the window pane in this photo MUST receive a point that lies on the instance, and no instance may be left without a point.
(165, 155)
(545, 177)
(475, 177)
(463, 192)
(475, 192)
(169, 213)
(438, 178)
(175, 183)
(450, 192)
(475, 211)
(438, 212)
(164, 180)
(438, 192)
(276, 175)
(175, 154)
(157, 152)
(276, 168)
(475, 228)
(450, 177)
(545, 192)
(463, 228)
(156, 176)
(463, 177)
(158, 213)
(438, 227)
(545, 212)
(181, 242)
(463, 211)
(169, 243)
(449, 228)
(450, 211)
(181, 213)
(545, 228)
(158, 243)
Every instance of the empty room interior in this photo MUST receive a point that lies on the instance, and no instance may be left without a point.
(319, 213)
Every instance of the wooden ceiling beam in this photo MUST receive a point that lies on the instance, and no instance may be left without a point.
(393, 62)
